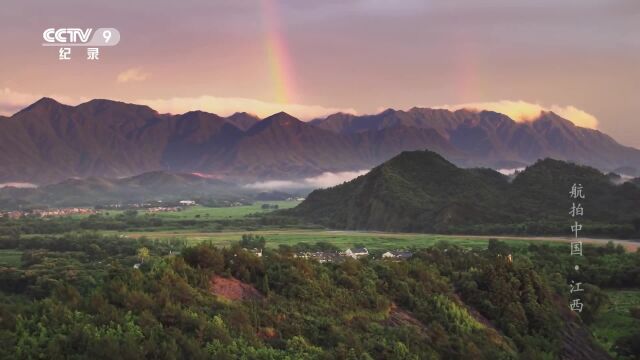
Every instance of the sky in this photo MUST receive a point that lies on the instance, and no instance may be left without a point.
(580, 58)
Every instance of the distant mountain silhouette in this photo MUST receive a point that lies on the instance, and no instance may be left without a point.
(156, 185)
(48, 142)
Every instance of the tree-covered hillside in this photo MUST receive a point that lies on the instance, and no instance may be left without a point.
(420, 191)
(81, 297)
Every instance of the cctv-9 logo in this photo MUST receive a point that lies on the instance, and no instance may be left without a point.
(81, 37)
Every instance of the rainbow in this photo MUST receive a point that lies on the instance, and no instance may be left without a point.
(278, 59)
(468, 81)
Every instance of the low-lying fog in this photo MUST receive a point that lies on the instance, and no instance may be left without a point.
(324, 180)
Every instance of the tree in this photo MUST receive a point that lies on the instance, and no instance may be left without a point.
(131, 213)
(498, 247)
(299, 348)
(206, 257)
(143, 254)
(628, 347)
(595, 301)
(250, 241)
(265, 284)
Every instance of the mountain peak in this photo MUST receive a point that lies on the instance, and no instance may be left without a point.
(388, 111)
(243, 120)
(243, 114)
(279, 120)
(46, 101)
(44, 104)
(282, 118)
(198, 114)
(100, 105)
(426, 158)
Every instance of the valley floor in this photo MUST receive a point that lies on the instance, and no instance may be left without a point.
(370, 239)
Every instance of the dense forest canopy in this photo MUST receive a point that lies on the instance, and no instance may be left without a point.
(92, 296)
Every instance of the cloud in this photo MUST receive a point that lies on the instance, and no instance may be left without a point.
(324, 180)
(13, 101)
(510, 171)
(19, 185)
(228, 105)
(133, 74)
(523, 111)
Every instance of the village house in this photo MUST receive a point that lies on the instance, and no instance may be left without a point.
(61, 212)
(256, 252)
(319, 256)
(187, 202)
(164, 209)
(12, 214)
(397, 255)
(356, 252)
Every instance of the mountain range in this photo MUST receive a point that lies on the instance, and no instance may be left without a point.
(420, 191)
(49, 142)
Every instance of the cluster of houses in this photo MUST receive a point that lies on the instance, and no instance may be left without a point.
(168, 208)
(42, 213)
(329, 256)
(12, 214)
(158, 204)
(158, 209)
(354, 253)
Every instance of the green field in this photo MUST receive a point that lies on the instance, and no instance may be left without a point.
(616, 321)
(227, 234)
(213, 213)
(342, 239)
(10, 258)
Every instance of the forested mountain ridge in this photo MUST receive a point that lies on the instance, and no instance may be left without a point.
(420, 191)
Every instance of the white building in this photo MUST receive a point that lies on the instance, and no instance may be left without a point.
(397, 255)
(256, 252)
(356, 252)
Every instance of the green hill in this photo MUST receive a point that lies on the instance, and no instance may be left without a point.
(420, 191)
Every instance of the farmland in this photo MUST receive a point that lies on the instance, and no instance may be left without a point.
(341, 239)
